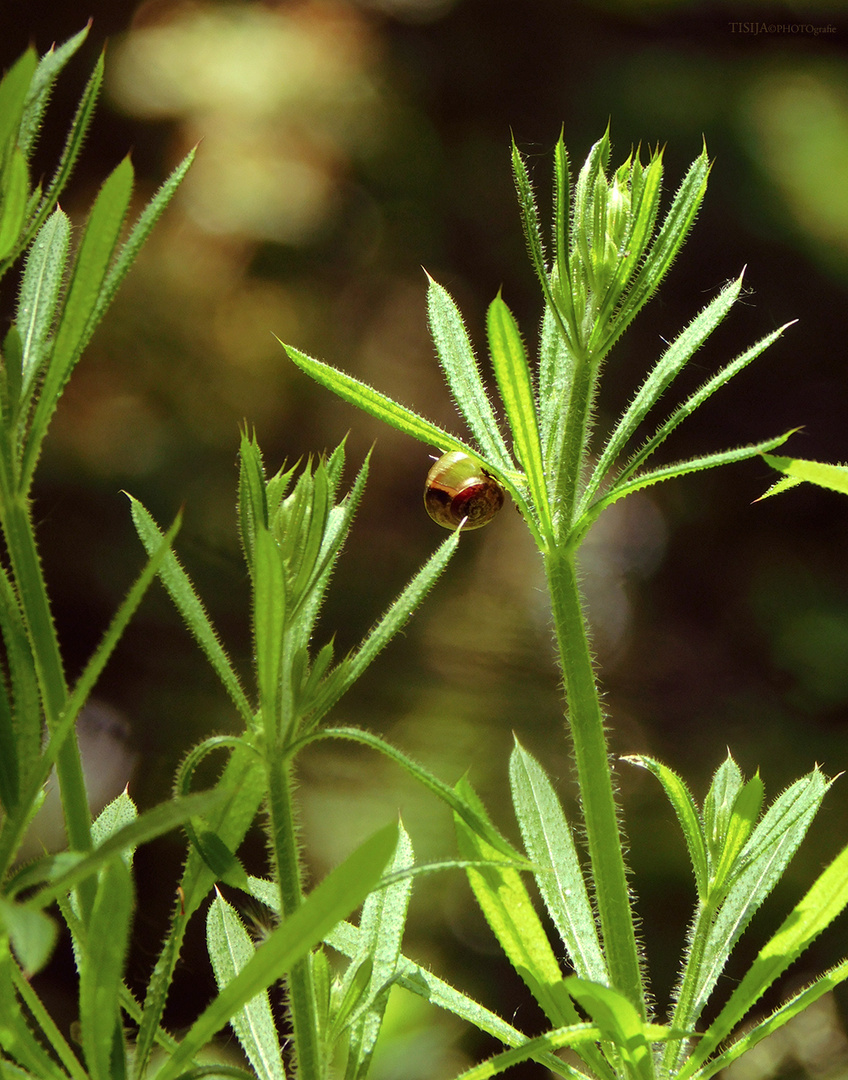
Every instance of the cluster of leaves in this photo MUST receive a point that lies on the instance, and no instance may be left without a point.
(609, 257)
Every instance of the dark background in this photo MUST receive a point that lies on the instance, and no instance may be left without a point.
(342, 147)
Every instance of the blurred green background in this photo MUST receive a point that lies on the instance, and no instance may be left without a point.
(343, 146)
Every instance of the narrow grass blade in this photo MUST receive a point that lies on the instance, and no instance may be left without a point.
(550, 845)
(684, 807)
(22, 734)
(697, 399)
(463, 374)
(101, 976)
(230, 949)
(559, 300)
(376, 404)
(512, 372)
(824, 901)
(619, 1022)
(562, 279)
(36, 766)
(242, 786)
(189, 605)
(556, 372)
(336, 896)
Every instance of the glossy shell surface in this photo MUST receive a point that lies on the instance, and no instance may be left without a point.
(457, 488)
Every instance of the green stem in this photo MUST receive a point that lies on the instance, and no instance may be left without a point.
(594, 776)
(686, 1010)
(283, 833)
(577, 427)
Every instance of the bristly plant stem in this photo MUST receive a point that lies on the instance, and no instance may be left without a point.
(594, 775)
(283, 833)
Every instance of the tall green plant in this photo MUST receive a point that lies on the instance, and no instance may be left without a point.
(609, 250)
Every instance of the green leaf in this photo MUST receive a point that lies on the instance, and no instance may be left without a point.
(23, 737)
(758, 868)
(49, 67)
(242, 787)
(575, 1036)
(421, 981)
(13, 203)
(718, 805)
(824, 901)
(512, 372)
(695, 400)
(9, 764)
(463, 374)
(182, 592)
(89, 271)
(668, 241)
(73, 146)
(269, 613)
(619, 1021)
(101, 976)
(74, 867)
(32, 933)
(349, 670)
(381, 933)
(797, 470)
(467, 811)
(376, 404)
(13, 93)
(550, 845)
(43, 277)
(666, 369)
(746, 810)
(687, 814)
(115, 815)
(130, 248)
(337, 895)
(18, 1040)
(230, 949)
(509, 912)
(671, 472)
(824, 984)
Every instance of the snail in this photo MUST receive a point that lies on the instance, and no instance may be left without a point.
(459, 488)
